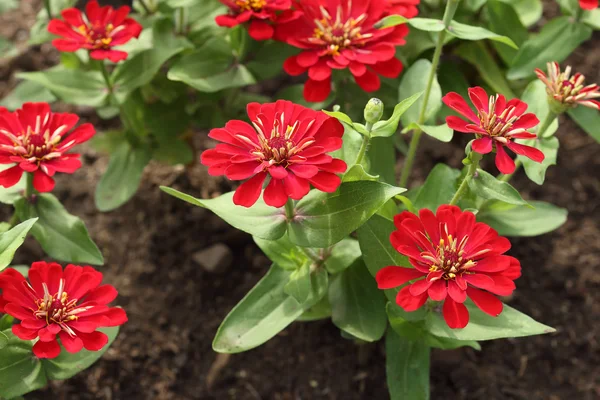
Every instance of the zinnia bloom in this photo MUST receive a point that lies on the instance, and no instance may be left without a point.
(99, 30)
(454, 257)
(37, 139)
(406, 8)
(566, 90)
(497, 124)
(588, 4)
(69, 303)
(338, 34)
(260, 13)
(287, 142)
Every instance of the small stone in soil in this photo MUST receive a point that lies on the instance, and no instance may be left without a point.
(215, 259)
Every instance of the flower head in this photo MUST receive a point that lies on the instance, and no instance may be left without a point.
(287, 142)
(406, 8)
(98, 30)
(566, 91)
(68, 305)
(496, 124)
(588, 4)
(340, 34)
(37, 140)
(454, 257)
(260, 13)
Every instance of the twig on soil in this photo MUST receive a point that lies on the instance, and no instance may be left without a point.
(215, 369)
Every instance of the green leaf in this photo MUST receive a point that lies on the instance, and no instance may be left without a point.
(509, 324)
(537, 101)
(340, 116)
(10, 241)
(422, 24)
(267, 62)
(67, 365)
(468, 32)
(264, 312)
(478, 55)
(27, 91)
(529, 11)
(441, 132)
(6, 322)
(537, 171)
(3, 340)
(319, 311)
(381, 158)
(357, 305)
(122, 177)
(299, 285)
(504, 20)
(20, 371)
(352, 141)
(588, 119)
(592, 18)
(211, 68)
(488, 187)
(84, 88)
(555, 42)
(389, 127)
(260, 220)
(438, 189)
(342, 255)
(323, 219)
(357, 173)
(143, 66)
(282, 252)
(62, 236)
(522, 220)
(407, 367)
(415, 81)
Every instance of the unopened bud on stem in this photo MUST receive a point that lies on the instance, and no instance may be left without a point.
(373, 110)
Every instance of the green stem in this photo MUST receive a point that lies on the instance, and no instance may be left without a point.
(145, 6)
(29, 190)
(14, 220)
(106, 75)
(289, 210)
(475, 158)
(364, 145)
(451, 7)
(48, 9)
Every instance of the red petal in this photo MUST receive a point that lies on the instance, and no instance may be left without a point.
(455, 314)
(249, 191)
(409, 302)
(72, 344)
(275, 195)
(457, 124)
(291, 67)
(260, 30)
(94, 341)
(316, 91)
(525, 121)
(480, 280)
(488, 303)
(296, 187)
(46, 349)
(483, 145)
(458, 104)
(390, 69)
(504, 163)
(42, 182)
(326, 181)
(492, 264)
(369, 81)
(11, 176)
(438, 290)
(304, 170)
(102, 295)
(307, 58)
(479, 98)
(420, 287)
(527, 151)
(455, 292)
(320, 71)
(391, 277)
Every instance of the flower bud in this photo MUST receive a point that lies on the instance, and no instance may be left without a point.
(373, 110)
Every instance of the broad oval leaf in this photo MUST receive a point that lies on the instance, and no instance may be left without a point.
(282, 252)
(67, 365)
(588, 119)
(468, 32)
(62, 236)
(357, 305)
(441, 132)
(11, 240)
(122, 177)
(415, 81)
(264, 312)
(406, 367)
(522, 220)
(20, 371)
(488, 187)
(260, 220)
(504, 20)
(323, 219)
(422, 24)
(438, 189)
(299, 286)
(27, 91)
(342, 255)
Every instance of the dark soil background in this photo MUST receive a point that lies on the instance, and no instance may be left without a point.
(175, 305)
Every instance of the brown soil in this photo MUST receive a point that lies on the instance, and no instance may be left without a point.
(175, 307)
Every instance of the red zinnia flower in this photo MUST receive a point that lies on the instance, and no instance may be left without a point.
(496, 124)
(567, 90)
(338, 34)
(35, 138)
(102, 29)
(286, 141)
(588, 4)
(258, 12)
(456, 257)
(406, 8)
(69, 303)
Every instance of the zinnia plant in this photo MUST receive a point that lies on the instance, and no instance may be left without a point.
(306, 117)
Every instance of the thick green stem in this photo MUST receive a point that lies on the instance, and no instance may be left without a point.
(365, 144)
(48, 9)
(289, 210)
(29, 190)
(475, 158)
(451, 7)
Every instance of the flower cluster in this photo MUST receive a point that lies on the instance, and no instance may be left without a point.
(37, 140)
(496, 124)
(454, 257)
(98, 30)
(287, 142)
(566, 91)
(69, 305)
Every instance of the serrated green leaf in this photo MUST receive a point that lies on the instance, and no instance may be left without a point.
(10, 241)
(523, 221)
(260, 220)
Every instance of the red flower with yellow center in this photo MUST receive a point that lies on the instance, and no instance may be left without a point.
(497, 124)
(36, 139)
(287, 142)
(260, 14)
(69, 304)
(340, 34)
(454, 257)
(99, 30)
(567, 90)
